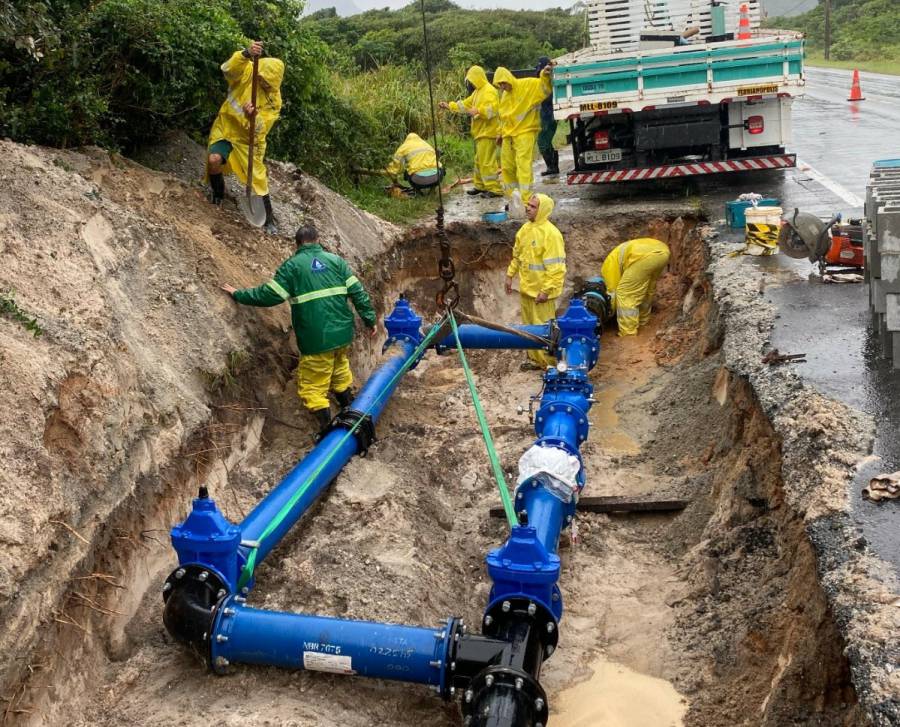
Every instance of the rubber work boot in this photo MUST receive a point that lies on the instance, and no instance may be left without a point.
(270, 228)
(323, 418)
(548, 161)
(344, 398)
(472, 192)
(551, 159)
(216, 189)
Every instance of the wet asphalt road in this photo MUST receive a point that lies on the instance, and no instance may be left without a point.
(836, 143)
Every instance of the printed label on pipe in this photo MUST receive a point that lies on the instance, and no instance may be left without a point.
(314, 661)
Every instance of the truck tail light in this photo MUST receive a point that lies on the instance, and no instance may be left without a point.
(756, 124)
(601, 140)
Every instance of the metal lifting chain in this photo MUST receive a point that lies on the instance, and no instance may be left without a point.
(448, 296)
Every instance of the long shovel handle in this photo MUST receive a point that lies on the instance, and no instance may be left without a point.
(253, 84)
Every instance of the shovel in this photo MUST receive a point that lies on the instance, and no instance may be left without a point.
(251, 204)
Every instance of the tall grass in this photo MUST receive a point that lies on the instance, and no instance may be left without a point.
(394, 101)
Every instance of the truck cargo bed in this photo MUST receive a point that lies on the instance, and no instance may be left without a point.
(589, 82)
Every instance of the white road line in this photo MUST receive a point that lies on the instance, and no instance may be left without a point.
(829, 184)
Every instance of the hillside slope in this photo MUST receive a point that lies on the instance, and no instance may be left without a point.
(862, 30)
(120, 267)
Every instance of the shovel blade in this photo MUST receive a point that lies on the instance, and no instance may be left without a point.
(254, 209)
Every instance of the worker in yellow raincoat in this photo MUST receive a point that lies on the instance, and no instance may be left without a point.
(539, 259)
(229, 139)
(416, 161)
(630, 272)
(520, 124)
(483, 106)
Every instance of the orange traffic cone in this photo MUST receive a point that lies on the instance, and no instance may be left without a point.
(744, 23)
(855, 90)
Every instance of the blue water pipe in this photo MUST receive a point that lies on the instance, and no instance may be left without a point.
(473, 336)
(496, 671)
(319, 643)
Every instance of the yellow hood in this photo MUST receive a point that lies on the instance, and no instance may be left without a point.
(476, 76)
(503, 75)
(545, 207)
(272, 70)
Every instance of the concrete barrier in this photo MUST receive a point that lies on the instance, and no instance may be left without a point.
(881, 243)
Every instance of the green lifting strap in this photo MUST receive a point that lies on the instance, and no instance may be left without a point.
(250, 565)
(485, 431)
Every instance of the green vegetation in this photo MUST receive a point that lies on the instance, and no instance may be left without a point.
(456, 37)
(10, 309)
(120, 73)
(865, 34)
(227, 380)
(890, 66)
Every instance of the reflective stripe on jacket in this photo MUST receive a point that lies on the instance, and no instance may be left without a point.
(413, 156)
(539, 255)
(485, 100)
(317, 285)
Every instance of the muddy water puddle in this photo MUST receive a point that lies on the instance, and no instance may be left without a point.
(605, 422)
(616, 696)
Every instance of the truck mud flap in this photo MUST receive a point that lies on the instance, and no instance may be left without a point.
(670, 171)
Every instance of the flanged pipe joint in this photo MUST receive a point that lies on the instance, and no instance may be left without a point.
(207, 546)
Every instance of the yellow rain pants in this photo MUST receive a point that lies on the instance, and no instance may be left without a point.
(517, 162)
(534, 313)
(487, 165)
(319, 373)
(485, 129)
(631, 271)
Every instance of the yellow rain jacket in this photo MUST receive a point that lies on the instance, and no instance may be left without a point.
(485, 100)
(630, 272)
(539, 255)
(414, 156)
(520, 109)
(232, 123)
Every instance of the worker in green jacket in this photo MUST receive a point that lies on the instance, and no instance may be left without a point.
(317, 284)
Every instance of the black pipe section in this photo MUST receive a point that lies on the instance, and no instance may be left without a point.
(499, 672)
(192, 594)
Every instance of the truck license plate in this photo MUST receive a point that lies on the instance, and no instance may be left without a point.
(601, 157)
(599, 106)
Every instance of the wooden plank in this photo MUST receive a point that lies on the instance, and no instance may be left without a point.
(618, 504)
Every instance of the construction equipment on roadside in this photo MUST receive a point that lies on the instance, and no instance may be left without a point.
(834, 246)
(251, 204)
(855, 90)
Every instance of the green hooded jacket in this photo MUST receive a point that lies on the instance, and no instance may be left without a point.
(316, 284)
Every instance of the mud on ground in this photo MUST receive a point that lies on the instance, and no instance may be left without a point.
(147, 381)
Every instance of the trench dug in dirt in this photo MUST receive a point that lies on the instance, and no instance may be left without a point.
(709, 617)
